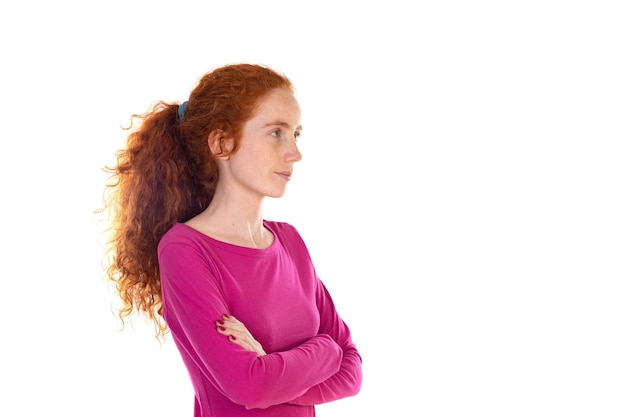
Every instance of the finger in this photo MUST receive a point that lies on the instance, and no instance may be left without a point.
(231, 322)
(231, 319)
(229, 329)
(241, 342)
(230, 325)
(239, 338)
(242, 338)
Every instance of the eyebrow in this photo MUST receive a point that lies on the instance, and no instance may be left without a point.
(282, 124)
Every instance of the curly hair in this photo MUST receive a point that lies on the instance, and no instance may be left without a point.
(167, 174)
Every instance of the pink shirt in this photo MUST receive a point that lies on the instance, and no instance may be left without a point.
(276, 293)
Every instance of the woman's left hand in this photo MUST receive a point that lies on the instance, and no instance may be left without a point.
(237, 333)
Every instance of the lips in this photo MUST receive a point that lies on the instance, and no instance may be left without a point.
(284, 174)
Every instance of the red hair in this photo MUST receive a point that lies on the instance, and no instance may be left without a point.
(167, 174)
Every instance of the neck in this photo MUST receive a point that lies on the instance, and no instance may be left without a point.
(234, 221)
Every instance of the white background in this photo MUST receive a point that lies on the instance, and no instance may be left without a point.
(462, 193)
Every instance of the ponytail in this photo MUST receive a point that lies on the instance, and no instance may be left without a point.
(152, 187)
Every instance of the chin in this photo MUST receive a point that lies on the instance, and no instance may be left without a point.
(276, 194)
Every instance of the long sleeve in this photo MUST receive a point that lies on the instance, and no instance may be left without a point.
(347, 381)
(195, 298)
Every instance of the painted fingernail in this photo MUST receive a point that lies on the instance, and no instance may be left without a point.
(232, 337)
(220, 322)
(222, 328)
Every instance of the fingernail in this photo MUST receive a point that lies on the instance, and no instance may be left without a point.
(220, 322)
(232, 337)
(222, 328)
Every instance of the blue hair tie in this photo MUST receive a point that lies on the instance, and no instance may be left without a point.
(181, 110)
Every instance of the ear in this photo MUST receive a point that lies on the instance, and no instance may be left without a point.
(220, 144)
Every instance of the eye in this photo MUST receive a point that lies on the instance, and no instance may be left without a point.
(297, 135)
(276, 133)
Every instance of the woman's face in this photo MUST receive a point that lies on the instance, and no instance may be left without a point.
(263, 164)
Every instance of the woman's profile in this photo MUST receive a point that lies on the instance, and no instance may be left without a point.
(190, 248)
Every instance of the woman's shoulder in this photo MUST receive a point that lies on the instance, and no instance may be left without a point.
(179, 233)
(281, 228)
(286, 232)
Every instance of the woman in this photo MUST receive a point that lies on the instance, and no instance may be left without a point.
(255, 326)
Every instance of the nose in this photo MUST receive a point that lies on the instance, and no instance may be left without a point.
(293, 153)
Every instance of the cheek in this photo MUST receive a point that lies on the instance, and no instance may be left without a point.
(260, 157)
(247, 166)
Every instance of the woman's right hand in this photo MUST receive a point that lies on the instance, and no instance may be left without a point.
(238, 334)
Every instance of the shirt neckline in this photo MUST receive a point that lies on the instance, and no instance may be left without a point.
(231, 247)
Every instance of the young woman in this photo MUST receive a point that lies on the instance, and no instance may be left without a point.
(255, 326)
